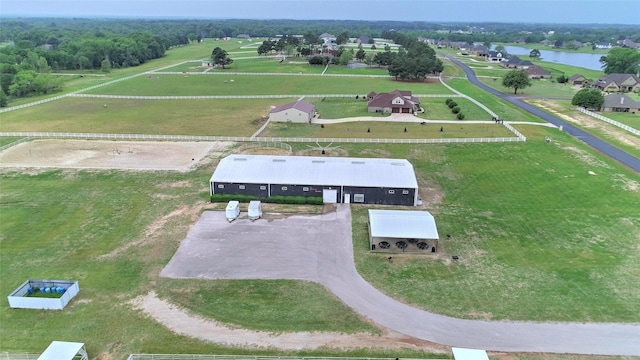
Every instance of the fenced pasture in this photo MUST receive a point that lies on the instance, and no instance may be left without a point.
(226, 83)
(390, 130)
(231, 117)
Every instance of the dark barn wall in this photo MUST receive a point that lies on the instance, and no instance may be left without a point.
(298, 190)
(234, 188)
(381, 196)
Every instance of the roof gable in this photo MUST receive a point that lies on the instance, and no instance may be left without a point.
(298, 105)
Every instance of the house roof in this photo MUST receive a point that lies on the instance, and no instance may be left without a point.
(576, 77)
(403, 224)
(61, 350)
(309, 170)
(620, 100)
(537, 70)
(299, 105)
(495, 53)
(327, 36)
(364, 39)
(385, 99)
(616, 79)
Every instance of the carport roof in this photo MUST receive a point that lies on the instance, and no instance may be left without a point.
(61, 350)
(308, 170)
(402, 224)
(469, 354)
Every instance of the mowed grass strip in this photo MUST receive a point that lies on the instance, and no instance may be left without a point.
(386, 130)
(531, 227)
(267, 305)
(211, 84)
(228, 117)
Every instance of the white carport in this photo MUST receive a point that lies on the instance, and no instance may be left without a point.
(469, 354)
(399, 230)
(62, 350)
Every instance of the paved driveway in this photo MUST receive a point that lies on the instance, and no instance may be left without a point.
(319, 248)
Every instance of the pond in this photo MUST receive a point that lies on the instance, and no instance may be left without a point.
(589, 61)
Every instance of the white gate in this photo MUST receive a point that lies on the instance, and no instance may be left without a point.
(330, 196)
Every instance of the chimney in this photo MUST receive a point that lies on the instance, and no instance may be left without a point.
(621, 100)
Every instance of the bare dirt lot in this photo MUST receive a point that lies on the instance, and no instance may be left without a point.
(103, 154)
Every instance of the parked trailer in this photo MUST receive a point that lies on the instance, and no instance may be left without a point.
(233, 210)
(255, 210)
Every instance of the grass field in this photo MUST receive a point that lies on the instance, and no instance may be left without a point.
(387, 130)
(531, 226)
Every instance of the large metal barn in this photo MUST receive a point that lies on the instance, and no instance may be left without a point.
(335, 179)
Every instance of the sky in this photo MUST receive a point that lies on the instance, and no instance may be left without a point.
(466, 11)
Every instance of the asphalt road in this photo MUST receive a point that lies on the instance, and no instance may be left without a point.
(319, 248)
(596, 143)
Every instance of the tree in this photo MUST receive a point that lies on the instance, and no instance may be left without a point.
(500, 48)
(373, 47)
(588, 99)
(343, 38)
(220, 57)
(3, 99)
(361, 54)
(621, 60)
(345, 57)
(105, 66)
(516, 79)
(535, 54)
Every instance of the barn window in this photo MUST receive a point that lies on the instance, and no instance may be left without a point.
(220, 186)
(305, 189)
(284, 188)
(391, 192)
(358, 198)
(263, 187)
(241, 187)
(405, 192)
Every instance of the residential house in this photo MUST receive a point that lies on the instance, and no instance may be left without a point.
(364, 39)
(397, 101)
(628, 43)
(619, 102)
(578, 80)
(515, 62)
(299, 112)
(536, 72)
(329, 42)
(480, 50)
(619, 82)
(495, 56)
(244, 36)
(603, 45)
(327, 37)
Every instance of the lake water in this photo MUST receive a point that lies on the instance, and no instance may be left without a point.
(589, 61)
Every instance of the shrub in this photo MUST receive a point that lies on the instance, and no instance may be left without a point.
(452, 104)
(460, 116)
(455, 110)
(448, 101)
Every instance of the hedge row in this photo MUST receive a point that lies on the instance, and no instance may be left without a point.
(300, 200)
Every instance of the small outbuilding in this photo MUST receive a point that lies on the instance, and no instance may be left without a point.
(40, 294)
(297, 112)
(400, 230)
(63, 350)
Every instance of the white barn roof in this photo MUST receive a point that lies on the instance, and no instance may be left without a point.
(469, 354)
(308, 170)
(61, 350)
(402, 224)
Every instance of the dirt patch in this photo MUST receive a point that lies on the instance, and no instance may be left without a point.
(184, 323)
(587, 121)
(332, 151)
(101, 154)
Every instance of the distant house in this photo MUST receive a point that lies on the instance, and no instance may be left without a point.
(536, 72)
(397, 101)
(364, 39)
(515, 62)
(628, 43)
(327, 37)
(298, 112)
(603, 45)
(619, 102)
(495, 56)
(480, 50)
(578, 80)
(618, 82)
(244, 36)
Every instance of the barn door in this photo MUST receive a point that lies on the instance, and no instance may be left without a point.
(330, 196)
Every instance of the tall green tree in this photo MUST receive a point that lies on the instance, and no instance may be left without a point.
(621, 60)
(588, 99)
(221, 57)
(535, 54)
(516, 79)
(343, 38)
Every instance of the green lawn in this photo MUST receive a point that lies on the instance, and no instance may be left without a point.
(185, 85)
(4, 140)
(387, 130)
(628, 119)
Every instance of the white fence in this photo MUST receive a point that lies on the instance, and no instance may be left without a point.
(240, 357)
(14, 143)
(469, 98)
(210, 97)
(149, 137)
(25, 356)
(610, 121)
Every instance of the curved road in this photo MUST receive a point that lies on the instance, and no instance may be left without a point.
(596, 143)
(336, 270)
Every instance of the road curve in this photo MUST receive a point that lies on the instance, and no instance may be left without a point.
(596, 143)
(336, 270)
